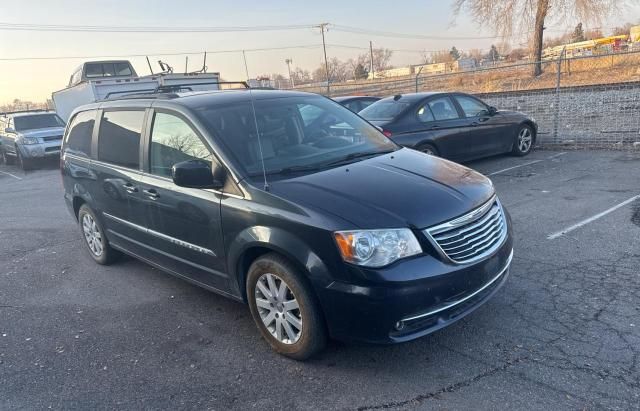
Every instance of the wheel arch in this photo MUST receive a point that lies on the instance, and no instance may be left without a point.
(531, 124)
(254, 242)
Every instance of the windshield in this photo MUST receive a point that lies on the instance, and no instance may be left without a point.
(383, 110)
(296, 134)
(37, 121)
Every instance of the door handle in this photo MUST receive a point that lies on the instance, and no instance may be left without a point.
(435, 127)
(151, 193)
(474, 124)
(130, 188)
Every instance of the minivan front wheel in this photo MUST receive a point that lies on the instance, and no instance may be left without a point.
(284, 308)
(94, 237)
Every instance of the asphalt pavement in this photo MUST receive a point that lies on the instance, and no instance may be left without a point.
(563, 333)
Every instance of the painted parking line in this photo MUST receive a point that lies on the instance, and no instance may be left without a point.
(591, 219)
(526, 164)
(12, 175)
(511, 168)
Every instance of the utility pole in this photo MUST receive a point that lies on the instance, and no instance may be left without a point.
(373, 73)
(323, 27)
(289, 61)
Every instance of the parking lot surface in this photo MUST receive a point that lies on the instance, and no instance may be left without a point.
(563, 333)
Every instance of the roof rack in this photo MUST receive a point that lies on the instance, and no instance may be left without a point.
(36, 110)
(166, 92)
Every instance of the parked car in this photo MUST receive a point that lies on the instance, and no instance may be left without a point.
(356, 103)
(28, 136)
(456, 126)
(322, 233)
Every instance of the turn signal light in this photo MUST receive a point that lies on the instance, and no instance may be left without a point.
(387, 133)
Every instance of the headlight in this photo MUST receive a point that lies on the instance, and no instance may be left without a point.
(376, 248)
(29, 140)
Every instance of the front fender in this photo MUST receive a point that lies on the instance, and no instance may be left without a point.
(280, 241)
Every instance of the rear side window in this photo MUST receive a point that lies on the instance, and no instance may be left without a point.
(78, 139)
(173, 141)
(443, 109)
(353, 106)
(384, 110)
(119, 138)
(123, 69)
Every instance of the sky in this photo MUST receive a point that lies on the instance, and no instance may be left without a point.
(35, 80)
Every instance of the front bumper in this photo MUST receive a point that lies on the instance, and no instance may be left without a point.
(41, 150)
(440, 294)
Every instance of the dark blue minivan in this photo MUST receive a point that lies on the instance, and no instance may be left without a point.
(291, 203)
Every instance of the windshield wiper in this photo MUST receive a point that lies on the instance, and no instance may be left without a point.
(290, 170)
(353, 156)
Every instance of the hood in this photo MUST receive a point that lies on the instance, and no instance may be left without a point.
(404, 188)
(43, 132)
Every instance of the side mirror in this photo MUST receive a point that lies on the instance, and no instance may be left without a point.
(9, 130)
(198, 174)
(492, 110)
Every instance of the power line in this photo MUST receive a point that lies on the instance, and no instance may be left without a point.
(146, 29)
(309, 46)
(359, 30)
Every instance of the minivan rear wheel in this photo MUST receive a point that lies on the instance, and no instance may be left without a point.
(284, 308)
(94, 238)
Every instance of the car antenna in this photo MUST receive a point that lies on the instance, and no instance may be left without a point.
(255, 120)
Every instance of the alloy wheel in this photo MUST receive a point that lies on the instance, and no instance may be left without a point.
(524, 140)
(92, 235)
(278, 308)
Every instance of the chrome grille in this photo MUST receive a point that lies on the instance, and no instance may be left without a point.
(52, 138)
(473, 236)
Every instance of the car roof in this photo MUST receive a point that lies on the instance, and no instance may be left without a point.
(413, 97)
(193, 99)
(30, 113)
(345, 98)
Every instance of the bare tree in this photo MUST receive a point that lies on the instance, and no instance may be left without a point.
(507, 16)
(381, 59)
(338, 71)
(442, 56)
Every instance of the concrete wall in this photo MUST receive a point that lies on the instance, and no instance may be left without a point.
(604, 115)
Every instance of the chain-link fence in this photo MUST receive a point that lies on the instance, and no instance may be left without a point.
(582, 101)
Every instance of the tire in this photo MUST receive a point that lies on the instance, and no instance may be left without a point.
(428, 149)
(5, 159)
(296, 308)
(523, 143)
(94, 237)
(23, 163)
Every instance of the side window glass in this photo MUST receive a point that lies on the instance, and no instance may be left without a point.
(119, 138)
(353, 106)
(471, 107)
(310, 113)
(443, 109)
(78, 139)
(424, 114)
(108, 70)
(93, 70)
(173, 141)
(366, 103)
(123, 69)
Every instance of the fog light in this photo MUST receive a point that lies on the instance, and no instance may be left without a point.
(399, 325)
